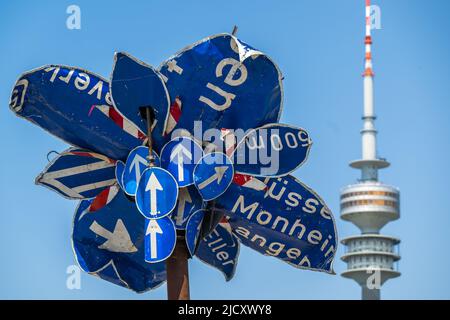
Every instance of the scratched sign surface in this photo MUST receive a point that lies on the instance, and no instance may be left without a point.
(109, 242)
(287, 221)
(63, 101)
(222, 81)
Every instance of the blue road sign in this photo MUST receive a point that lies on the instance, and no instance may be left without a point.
(157, 193)
(235, 85)
(220, 249)
(136, 164)
(135, 84)
(60, 100)
(78, 174)
(109, 243)
(179, 156)
(272, 150)
(120, 167)
(213, 174)
(193, 229)
(289, 221)
(160, 239)
(189, 201)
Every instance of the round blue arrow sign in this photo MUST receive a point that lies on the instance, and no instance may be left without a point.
(189, 201)
(160, 239)
(157, 193)
(120, 167)
(179, 156)
(213, 174)
(136, 164)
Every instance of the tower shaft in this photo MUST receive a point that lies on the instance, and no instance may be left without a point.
(369, 204)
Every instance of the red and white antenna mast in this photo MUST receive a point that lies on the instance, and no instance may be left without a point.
(369, 204)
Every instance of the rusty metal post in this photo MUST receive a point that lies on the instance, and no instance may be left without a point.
(177, 263)
(178, 271)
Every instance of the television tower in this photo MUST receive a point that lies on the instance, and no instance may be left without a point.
(369, 204)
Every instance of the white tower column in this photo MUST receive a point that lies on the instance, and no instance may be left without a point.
(370, 204)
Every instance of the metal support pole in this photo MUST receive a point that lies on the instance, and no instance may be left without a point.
(151, 159)
(178, 271)
(177, 264)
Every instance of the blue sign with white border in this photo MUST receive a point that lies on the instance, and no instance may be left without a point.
(193, 229)
(220, 249)
(135, 84)
(213, 174)
(232, 79)
(137, 162)
(272, 150)
(109, 242)
(157, 193)
(189, 201)
(179, 156)
(288, 221)
(160, 239)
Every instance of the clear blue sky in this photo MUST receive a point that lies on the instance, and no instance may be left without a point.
(319, 47)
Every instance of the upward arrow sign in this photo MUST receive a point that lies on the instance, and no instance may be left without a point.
(152, 229)
(153, 185)
(183, 198)
(178, 153)
(135, 164)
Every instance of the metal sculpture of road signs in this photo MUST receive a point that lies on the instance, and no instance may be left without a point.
(160, 239)
(179, 156)
(213, 174)
(193, 230)
(134, 85)
(62, 101)
(189, 201)
(272, 150)
(157, 193)
(120, 167)
(109, 242)
(220, 249)
(78, 174)
(288, 221)
(137, 162)
(235, 85)
(243, 195)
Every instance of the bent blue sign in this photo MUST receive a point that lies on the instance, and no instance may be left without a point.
(109, 242)
(137, 162)
(226, 71)
(213, 174)
(179, 156)
(62, 100)
(272, 150)
(288, 221)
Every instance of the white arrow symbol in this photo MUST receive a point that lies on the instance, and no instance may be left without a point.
(136, 165)
(153, 185)
(220, 171)
(178, 153)
(117, 241)
(152, 229)
(182, 199)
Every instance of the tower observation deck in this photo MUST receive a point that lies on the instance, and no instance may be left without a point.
(369, 204)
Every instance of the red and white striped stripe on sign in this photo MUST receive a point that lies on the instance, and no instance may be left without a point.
(103, 198)
(229, 140)
(174, 115)
(248, 181)
(127, 126)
